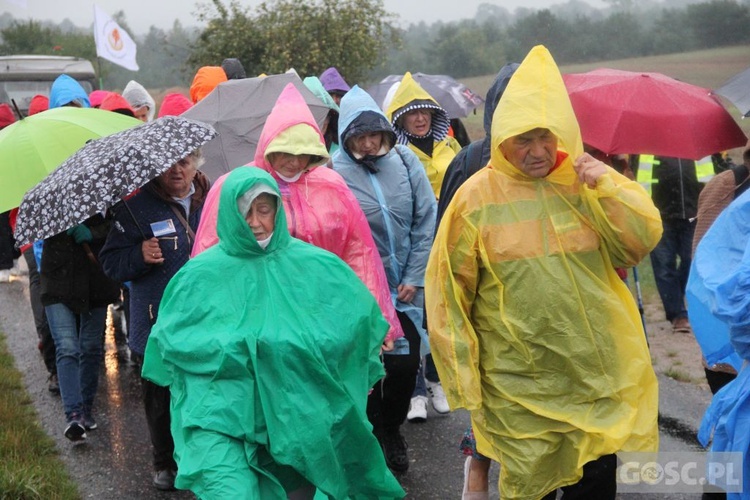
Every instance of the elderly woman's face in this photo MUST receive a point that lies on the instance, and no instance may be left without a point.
(366, 144)
(289, 165)
(261, 217)
(177, 180)
(418, 122)
(142, 113)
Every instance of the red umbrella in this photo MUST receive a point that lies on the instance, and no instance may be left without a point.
(650, 113)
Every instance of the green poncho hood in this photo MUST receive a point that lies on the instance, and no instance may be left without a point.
(269, 355)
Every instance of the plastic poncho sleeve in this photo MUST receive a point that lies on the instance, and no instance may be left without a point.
(454, 269)
(423, 221)
(625, 218)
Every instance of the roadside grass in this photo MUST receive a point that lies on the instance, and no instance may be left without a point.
(30, 468)
(678, 375)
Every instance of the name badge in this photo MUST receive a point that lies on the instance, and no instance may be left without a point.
(162, 228)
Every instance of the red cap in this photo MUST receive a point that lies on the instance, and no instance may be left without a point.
(38, 104)
(6, 115)
(115, 102)
(97, 96)
(174, 105)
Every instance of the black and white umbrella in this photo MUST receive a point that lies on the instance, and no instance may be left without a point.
(103, 171)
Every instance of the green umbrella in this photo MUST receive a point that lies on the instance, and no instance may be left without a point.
(33, 147)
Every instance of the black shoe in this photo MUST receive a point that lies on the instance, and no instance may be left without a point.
(394, 448)
(53, 385)
(75, 431)
(88, 419)
(164, 479)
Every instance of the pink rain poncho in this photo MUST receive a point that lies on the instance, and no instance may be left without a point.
(320, 208)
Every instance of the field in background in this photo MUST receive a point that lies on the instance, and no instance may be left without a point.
(705, 68)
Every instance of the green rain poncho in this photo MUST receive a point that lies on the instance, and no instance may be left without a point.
(530, 327)
(269, 355)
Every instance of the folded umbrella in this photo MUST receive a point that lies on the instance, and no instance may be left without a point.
(737, 90)
(238, 110)
(650, 113)
(454, 97)
(104, 171)
(33, 147)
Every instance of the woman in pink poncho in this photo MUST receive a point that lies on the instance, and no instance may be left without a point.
(320, 208)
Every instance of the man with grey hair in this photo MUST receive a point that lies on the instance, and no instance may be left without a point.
(149, 242)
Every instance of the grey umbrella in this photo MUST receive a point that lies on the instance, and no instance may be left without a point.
(103, 171)
(238, 110)
(454, 97)
(737, 90)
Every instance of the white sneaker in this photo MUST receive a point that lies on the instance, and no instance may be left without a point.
(4, 275)
(435, 390)
(417, 410)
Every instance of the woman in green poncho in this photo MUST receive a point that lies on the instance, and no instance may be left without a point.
(269, 346)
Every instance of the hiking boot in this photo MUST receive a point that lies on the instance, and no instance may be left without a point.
(75, 431)
(164, 479)
(681, 325)
(394, 448)
(417, 410)
(439, 402)
(53, 385)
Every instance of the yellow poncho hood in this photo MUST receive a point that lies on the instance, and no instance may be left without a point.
(531, 329)
(536, 98)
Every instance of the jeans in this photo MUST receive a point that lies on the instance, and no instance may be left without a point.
(427, 371)
(46, 342)
(670, 275)
(79, 342)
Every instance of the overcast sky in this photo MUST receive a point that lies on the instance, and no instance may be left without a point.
(141, 14)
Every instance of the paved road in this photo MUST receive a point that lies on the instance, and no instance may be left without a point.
(115, 461)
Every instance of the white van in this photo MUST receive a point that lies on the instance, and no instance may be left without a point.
(22, 77)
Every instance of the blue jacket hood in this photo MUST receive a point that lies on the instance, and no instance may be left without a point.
(360, 114)
(65, 90)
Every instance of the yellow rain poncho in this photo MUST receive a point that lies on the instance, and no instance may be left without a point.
(411, 95)
(530, 327)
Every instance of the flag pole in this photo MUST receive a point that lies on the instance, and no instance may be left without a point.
(99, 70)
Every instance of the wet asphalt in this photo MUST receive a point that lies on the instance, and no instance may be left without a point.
(115, 461)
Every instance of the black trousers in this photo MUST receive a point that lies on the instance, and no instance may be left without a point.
(598, 482)
(46, 344)
(156, 402)
(388, 402)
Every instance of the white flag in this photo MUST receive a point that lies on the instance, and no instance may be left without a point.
(112, 42)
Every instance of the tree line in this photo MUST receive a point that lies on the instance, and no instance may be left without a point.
(361, 38)
(573, 34)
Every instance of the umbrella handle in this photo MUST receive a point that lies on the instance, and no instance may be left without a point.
(89, 253)
(143, 235)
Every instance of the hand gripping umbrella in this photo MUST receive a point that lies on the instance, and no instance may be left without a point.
(33, 147)
(454, 97)
(650, 113)
(238, 110)
(104, 171)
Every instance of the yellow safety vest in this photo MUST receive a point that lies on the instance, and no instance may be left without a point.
(704, 170)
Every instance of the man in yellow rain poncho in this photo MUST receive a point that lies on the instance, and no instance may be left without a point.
(530, 326)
